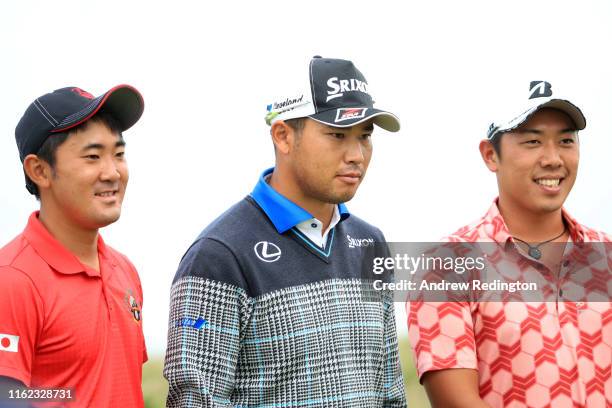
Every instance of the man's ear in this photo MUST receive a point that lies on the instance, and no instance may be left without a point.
(489, 155)
(283, 136)
(37, 170)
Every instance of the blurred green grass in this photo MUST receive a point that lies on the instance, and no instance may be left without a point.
(155, 387)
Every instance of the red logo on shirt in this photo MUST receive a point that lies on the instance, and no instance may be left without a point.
(133, 306)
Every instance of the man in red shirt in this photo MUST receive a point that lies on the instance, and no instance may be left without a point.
(510, 353)
(70, 306)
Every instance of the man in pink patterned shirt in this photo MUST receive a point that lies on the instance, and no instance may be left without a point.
(522, 353)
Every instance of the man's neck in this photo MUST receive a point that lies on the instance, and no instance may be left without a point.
(529, 226)
(322, 211)
(83, 243)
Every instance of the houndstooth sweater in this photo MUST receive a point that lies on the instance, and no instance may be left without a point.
(288, 325)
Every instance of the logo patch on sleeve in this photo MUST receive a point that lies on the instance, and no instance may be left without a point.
(350, 113)
(197, 324)
(9, 342)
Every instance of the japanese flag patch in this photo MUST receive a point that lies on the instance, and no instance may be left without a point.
(9, 342)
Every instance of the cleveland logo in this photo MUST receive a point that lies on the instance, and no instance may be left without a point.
(339, 86)
(286, 105)
(539, 89)
(350, 113)
(359, 242)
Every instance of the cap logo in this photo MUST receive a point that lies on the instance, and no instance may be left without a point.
(82, 93)
(286, 105)
(350, 113)
(339, 86)
(539, 89)
(491, 131)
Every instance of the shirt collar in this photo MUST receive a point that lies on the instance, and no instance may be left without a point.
(283, 213)
(501, 234)
(53, 252)
(307, 227)
(336, 218)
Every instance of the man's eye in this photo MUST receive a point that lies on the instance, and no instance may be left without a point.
(532, 142)
(366, 136)
(337, 135)
(120, 154)
(568, 141)
(92, 157)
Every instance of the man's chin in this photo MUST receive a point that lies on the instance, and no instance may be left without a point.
(340, 198)
(104, 220)
(550, 206)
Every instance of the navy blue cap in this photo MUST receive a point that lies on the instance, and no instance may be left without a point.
(69, 107)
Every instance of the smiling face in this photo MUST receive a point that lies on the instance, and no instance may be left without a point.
(539, 163)
(89, 177)
(328, 163)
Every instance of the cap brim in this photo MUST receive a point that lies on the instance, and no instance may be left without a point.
(560, 104)
(347, 117)
(123, 102)
(570, 109)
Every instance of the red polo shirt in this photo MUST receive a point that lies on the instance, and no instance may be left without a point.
(65, 325)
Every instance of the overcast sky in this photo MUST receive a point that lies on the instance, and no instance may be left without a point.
(207, 70)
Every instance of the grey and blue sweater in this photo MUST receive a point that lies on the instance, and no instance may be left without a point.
(261, 317)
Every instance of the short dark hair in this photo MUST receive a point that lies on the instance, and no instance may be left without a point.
(296, 124)
(496, 143)
(53, 142)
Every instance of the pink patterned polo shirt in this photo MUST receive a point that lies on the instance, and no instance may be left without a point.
(528, 354)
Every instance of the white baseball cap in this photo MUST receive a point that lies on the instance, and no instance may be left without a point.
(540, 96)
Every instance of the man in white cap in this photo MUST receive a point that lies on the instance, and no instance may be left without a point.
(552, 349)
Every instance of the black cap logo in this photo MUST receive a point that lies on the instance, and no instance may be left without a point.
(492, 131)
(337, 83)
(539, 89)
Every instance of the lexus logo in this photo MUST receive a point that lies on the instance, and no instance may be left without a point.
(267, 251)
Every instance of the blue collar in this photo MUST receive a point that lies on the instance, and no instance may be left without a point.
(283, 213)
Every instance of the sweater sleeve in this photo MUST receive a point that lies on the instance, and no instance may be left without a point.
(209, 309)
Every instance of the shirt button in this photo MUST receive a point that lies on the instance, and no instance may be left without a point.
(313, 225)
(565, 263)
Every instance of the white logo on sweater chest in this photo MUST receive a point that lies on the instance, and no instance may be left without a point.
(267, 251)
